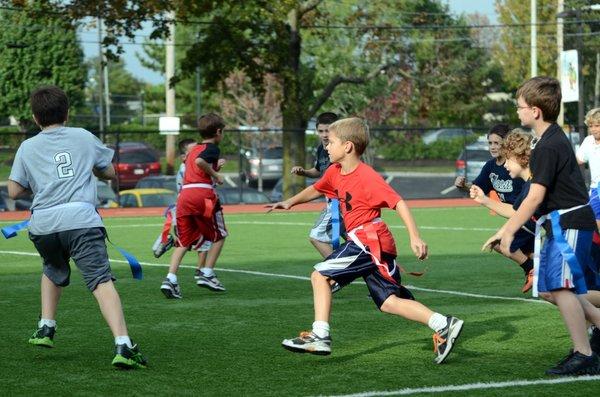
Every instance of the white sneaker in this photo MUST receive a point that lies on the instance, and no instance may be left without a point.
(212, 283)
(309, 342)
(171, 290)
(443, 341)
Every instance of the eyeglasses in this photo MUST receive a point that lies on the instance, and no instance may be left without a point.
(524, 107)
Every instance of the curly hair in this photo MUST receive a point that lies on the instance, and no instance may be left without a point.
(517, 145)
(592, 117)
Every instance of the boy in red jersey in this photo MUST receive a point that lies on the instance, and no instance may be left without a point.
(197, 202)
(370, 250)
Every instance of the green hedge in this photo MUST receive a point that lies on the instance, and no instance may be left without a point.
(397, 146)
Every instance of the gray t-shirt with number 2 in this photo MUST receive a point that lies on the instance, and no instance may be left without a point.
(57, 166)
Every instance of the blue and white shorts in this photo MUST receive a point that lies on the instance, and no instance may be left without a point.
(555, 273)
(323, 228)
(349, 262)
(595, 202)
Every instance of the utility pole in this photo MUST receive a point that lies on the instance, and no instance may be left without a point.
(597, 85)
(100, 83)
(198, 102)
(533, 38)
(106, 94)
(170, 92)
(559, 46)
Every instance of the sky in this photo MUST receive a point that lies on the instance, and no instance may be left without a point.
(132, 64)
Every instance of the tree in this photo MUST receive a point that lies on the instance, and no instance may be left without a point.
(37, 51)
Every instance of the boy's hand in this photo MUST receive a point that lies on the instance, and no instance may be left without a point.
(419, 247)
(477, 194)
(285, 205)
(491, 242)
(219, 179)
(505, 243)
(297, 170)
(220, 163)
(460, 181)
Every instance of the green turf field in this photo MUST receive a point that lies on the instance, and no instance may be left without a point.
(228, 344)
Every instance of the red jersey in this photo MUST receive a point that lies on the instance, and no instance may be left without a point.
(362, 193)
(197, 200)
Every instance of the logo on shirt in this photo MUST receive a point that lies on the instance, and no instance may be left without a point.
(501, 185)
(346, 200)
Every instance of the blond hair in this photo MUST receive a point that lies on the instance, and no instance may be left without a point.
(592, 117)
(517, 145)
(352, 129)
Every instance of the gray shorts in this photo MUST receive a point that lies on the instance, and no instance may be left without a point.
(87, 248)
(323, 229)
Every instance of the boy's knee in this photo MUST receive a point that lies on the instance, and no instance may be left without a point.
(388, 303)
(547, 296)
(317, 277)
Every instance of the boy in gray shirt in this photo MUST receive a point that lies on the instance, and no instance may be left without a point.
(58, 166)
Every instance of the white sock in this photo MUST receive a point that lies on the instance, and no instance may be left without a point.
(123, 340)
(172, 278)
(48, 322)
(207, 271)
(437, 322)
(321, 329)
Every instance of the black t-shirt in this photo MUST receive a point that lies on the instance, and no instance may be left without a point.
(496, 177)
(322, 159)
(210, 154)
(553, 165)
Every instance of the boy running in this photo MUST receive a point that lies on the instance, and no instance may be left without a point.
(199, 225)
(370, 250)
(558, 191)
(58, 165)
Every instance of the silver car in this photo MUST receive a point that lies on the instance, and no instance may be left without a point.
(271, 165)
(471, 160)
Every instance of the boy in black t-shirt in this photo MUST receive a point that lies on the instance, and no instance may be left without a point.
(558, 190)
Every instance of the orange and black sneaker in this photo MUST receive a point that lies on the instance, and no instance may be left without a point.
(528, 282)
(443, 341)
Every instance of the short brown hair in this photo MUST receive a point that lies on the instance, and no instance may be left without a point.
(543, 93)
(517, 145)
(209, 124)
(352, 129)
(49, 105)
(592, 117)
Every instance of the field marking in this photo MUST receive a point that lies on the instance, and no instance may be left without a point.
(305, 278)
(472, 386)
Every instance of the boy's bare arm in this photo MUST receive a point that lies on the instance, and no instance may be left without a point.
(311, 173)
(206, 167)
(106, 173)
(308, 194)
(533, 200)
(418, 246)
(15, 190)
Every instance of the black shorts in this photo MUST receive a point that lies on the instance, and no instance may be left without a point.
(349, 262)
(523, 241)
(87, 247)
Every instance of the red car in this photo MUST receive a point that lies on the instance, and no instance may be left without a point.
(135, 160)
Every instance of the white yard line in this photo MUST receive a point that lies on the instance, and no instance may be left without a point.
(304, 278)
(472, 386)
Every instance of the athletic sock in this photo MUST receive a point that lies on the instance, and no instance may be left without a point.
(47, 322)
(172, 278)
(207, 271)
(527, 265)
(437, 322)
(321, 329)
(123, 340)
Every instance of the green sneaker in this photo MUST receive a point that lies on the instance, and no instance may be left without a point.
(43, 336)
(128, 357)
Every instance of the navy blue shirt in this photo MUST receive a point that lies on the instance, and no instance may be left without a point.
(530, 224)
(496, 177)
(322, 159)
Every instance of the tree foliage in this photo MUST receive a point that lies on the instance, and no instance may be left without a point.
(34, 52)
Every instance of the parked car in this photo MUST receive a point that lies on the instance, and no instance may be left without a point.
(471, 160)
(231, 195)
(158, 182)
(147, 198)
(271, 167)
(106, 197)
(135, 161)
(277, 192)
(445, 134)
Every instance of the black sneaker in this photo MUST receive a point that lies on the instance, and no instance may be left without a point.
(128, 357)
(197, 274)
(335, 287)
(170, 290)
(212, 283)
(595, 340)
(159, 248)
(43, 336)
(576, 364)
(443, 341)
